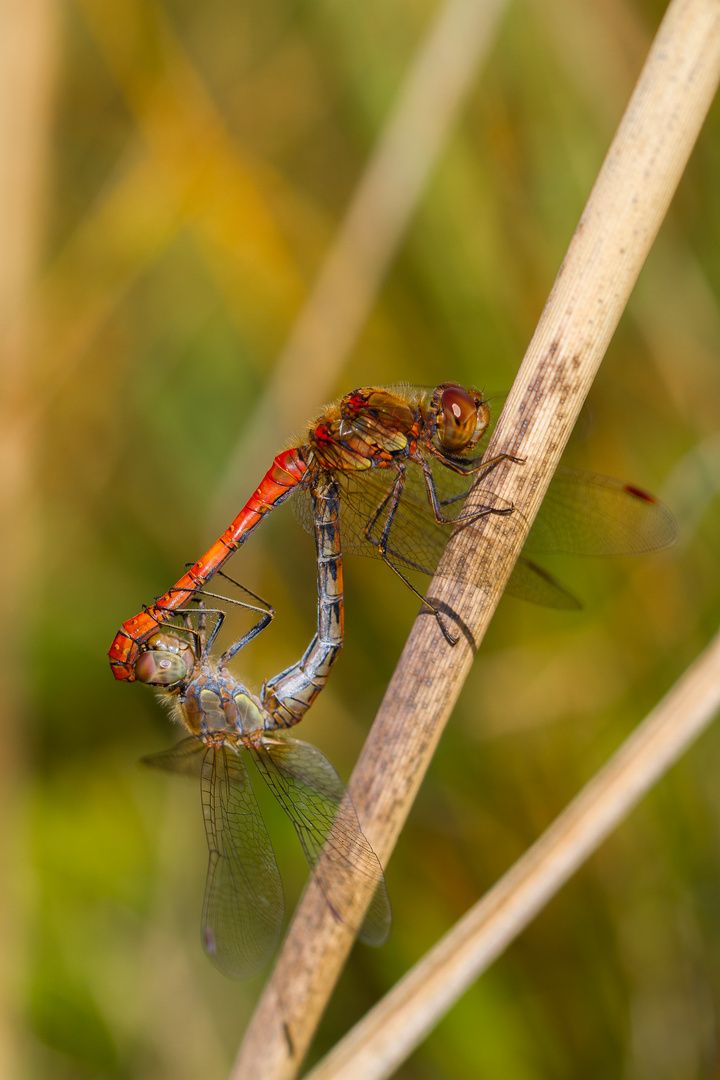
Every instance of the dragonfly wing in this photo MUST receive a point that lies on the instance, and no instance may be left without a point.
(244, 905)
(571, 522)
(313, 796)
(185, 758)
(528, 580)
(416, 540)
(584, 513)
(534, 583)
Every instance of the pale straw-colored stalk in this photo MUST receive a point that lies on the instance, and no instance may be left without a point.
(624, 211)
(385, 1037)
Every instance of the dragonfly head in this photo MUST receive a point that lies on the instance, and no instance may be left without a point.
(166, 660)
(458, 418)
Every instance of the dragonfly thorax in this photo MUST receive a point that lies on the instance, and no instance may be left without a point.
(246, 713)
(368, 429)
(216, 703)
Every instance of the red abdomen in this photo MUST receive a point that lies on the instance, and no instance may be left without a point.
(283, 476)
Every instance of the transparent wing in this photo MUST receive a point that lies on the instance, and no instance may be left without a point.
(313, 796)
(244, 906)
(185, 758)
(534, 583)
(416, 540)
(582, 514)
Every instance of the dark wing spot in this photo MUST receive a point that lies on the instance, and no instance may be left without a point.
(640, 494)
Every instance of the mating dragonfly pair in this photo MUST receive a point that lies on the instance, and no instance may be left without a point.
(382, 472)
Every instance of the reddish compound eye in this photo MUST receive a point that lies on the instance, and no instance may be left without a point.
(461, 419)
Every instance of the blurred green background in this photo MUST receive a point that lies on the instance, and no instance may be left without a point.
(177, 176)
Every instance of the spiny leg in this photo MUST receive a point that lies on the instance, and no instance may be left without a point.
(247, 637)
(267, 613)
(392, 501)
(462, 519)
(474, 465)
(266, 606)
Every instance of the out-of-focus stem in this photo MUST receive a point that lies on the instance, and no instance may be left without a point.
(27, 70)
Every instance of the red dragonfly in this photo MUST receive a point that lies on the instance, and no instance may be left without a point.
(244, 905)
(402, 460)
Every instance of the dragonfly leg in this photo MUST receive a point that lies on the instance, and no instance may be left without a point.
(202, 591)
(253, 632)
(266, 607)
(392, 501)
(202, 628)
(462, 519)
(289, 695)
(474, 465)
(201, 644)
(196, 636)
(200, 635)
(205, 643)
(379, 509)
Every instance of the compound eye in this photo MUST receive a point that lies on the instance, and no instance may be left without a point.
(166, 661)
(461, 420)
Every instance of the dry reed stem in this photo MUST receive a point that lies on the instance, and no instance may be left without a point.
(386, 1036)
(370, 234)
(27, 54)
(616, 231)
